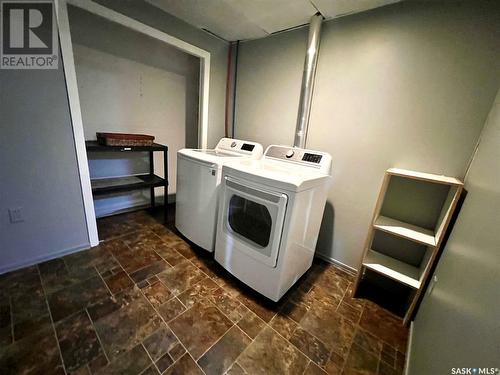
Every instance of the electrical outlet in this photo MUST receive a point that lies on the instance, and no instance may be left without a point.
(16, 215)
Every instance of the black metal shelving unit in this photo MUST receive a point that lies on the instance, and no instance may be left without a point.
(128, 183)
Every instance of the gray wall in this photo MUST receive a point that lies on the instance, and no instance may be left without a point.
(407, 85)
(38, 169)
(457, 324)
(218, 49)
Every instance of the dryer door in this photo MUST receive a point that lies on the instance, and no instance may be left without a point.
(253, 219)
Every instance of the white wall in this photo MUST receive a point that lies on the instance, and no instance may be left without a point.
(131, 98)
(38, 169)
(218, 49)
(457, 324)
(131, 83)
(407, 85)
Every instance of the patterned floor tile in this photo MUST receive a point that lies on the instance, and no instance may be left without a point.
(97, 257)
(294, 311)
(388, 355)
(170, 255)
(229, 306)
(336, 363)
(385, 369)
(314, 348)
(283, 325)
(330, 327)
(200, 327)
(149, 271)
(269, 353)
(177, 351)
(71, 299)
(6, 336)
(118, 282)
(157, 294)
(251, 324)
(265, 309)
(171, 309)
(313, 369)
(218, 319)
(134, 260)
(181, 277)
(184, 366)
(185, 250)
(29, 306)
(133, 361)
(164, 362)
(203, 289)
(160, 342)
(127, 326)
(349, 312)
(31, 326)
(5, 312)
(385, 326)
(78, 341)
(151, 370)
(367, 341)
(222, 355)
(360, 361)
(36, 354)
(235, 370)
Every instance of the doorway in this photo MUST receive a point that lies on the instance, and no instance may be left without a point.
(135, 80)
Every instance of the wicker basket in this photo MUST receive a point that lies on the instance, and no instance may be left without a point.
(123, 139)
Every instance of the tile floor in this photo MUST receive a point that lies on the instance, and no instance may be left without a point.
(145, 302)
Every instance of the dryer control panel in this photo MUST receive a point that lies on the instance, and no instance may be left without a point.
(239, 146)
(310, 158)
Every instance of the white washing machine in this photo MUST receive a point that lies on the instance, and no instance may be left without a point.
(198, 178)
(270, 212)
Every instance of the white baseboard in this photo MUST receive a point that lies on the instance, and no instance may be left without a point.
(336, 262)
(41, 258)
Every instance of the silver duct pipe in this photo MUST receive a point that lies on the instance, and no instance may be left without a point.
(306, 90)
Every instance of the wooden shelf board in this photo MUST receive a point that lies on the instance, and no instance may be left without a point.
(425, 176)
(405, 230)
(393, 268)
(111, 185)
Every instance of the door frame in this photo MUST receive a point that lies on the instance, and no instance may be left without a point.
(61, 7)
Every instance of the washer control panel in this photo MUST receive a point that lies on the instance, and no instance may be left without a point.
(310, 158)
(240, 146)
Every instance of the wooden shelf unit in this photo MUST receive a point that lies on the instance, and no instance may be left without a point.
(397, 269)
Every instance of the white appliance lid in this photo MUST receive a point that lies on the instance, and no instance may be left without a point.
(222, 154)
(275, 174)
(226, 149)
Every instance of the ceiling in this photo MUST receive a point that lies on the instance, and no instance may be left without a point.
(250, 19)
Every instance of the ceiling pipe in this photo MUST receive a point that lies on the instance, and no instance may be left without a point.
(306, 89)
